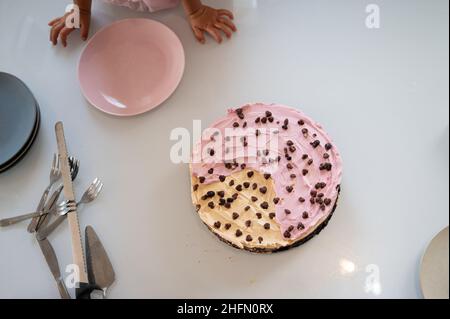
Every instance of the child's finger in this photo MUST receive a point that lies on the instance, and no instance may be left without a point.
(228, 23)
(199, 34)
(224, 28)
(85, 30)
(54, 21)
(54, 33)
(63, 35)
(214, 33)
(225, 12)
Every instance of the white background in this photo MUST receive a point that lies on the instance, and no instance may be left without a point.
(381, 94)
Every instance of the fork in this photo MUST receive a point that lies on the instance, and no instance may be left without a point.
(74, 167)
(55, 175)
(89, 195)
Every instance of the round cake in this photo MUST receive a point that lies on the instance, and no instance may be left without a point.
(265, 177)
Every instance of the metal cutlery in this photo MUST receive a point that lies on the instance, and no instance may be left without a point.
(100, 270)
(55, 175)
(52, 261)
(48, 208)
(89, 195)
(74, 167)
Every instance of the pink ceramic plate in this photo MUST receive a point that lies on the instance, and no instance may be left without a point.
(131, 66)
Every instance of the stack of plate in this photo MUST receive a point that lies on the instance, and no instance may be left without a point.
(19, 120)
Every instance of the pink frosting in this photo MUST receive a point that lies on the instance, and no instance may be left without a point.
(276, 139)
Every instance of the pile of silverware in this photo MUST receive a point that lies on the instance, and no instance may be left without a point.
(50, 214)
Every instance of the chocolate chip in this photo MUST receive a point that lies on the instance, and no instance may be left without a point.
(272, 215)
(222, 178)
(325, 166)
(326, 155)
(230, 199)
(243, 166)
(310, 161)
(250, 174)
(293, 176)
(328, 146)
(301, 122)
(217, 224)
(195, 187)
(254, 186)
(235, 196)
(231, 183)
(292, 149)
(239, 188)
(319, 200)
(305, 215)
(270, 119)
(204, 197)
(300, 226)
(276, 200)
(197, 207)
(247, 208)
(288, 158)
(289, 166)
(235, 124)
(235, 216)
(289, 189)
(228, 166)
(227, 226)
(305, 172)
(246, 184)
(259, 215)
(267, 175)
(312, 200)
(289, 143)
(287, 234)
(313, 193)
(322, 207)
(211, 170)
(201, 179)
(257, 132)
(254, 198)
(266, 226)
(286, 121)
(301, 199)
(222, 202)
(257, 120)
(290, 228)
(284, 127)
(264, 205)
(315, 144)
(211, 205)
(248, 223)
(327, 201)
(304, 156)
(264, 120)
(248, 238)
(211, 194)
(287, 211)
(304, 131)
(260, 239)
(263, 189)
(320, 195)
(221, 194)
(268, 113)
(227, 205)
(238, 233)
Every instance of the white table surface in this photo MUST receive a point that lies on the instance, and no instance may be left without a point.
(382, 94)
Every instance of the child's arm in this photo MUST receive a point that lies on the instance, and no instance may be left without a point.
(206, 19)
(59, 28)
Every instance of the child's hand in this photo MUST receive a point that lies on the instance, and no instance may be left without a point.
(59, 28)
(213, 21)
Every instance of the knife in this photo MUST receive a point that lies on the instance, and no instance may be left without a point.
(74, 225)
(100, 270)
(52, 261)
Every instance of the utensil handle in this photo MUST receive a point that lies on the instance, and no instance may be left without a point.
(62, 289)
(45, 232)
(17, 219)
(85, 290)
(34, 222)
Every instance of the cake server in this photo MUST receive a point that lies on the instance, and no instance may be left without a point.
(100, 270)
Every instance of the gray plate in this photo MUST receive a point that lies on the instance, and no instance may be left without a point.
(18, 117)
